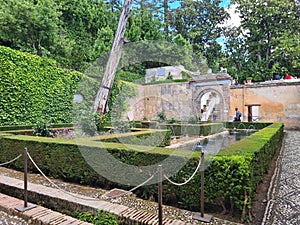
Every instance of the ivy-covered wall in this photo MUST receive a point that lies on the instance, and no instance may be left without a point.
(33, 88)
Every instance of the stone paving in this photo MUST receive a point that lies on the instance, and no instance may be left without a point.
(284, 204)
(76, 202)
(6, 219)
(34, 214)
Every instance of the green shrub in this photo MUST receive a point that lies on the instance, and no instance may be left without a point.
(231, 177)
(102, 121)
(171, 121)
(234, 174)
(194, 120)
(193, 129)
(102, 218)
(161, 117)
(157, 138)
(41, 129)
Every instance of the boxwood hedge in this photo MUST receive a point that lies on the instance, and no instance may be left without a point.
(160, 138)
(231, 176)
(194, 129)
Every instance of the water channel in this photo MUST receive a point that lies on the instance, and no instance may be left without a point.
(214, 143)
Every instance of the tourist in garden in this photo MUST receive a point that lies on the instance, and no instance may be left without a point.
(214, 114)
(288, 77)
(238, 115)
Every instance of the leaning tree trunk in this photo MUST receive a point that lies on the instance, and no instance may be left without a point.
(101, 99)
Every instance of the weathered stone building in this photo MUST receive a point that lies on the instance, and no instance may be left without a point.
(273, 101)
(213, 97)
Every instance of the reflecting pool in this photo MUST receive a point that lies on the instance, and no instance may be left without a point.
(214, 143)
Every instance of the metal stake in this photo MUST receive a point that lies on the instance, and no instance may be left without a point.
(25, 178)
(202, 184)
(26, 206)
(202, 217)
(160, 194)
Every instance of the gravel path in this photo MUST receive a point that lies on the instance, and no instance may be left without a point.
(6, 219)
(130, 201)
(285, 199)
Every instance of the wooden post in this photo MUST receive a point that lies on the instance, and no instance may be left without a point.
(113, 61)
(160, 194)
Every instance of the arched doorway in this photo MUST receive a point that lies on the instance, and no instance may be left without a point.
(209, 105)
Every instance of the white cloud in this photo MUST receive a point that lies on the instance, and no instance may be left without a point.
(234, 20)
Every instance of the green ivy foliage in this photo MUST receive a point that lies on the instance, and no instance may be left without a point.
(34, 89)
(102, 218)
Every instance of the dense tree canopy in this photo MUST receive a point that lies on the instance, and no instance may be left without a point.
(76, 32)
(198, 21)
(29, 25)
(269, 35)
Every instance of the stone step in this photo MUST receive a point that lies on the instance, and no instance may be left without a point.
(38, 214)
(60, 200)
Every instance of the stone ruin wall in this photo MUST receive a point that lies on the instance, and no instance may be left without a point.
(279, 101)
(173, 99)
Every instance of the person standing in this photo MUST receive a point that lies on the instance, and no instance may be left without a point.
(214, 114)
(238, 115)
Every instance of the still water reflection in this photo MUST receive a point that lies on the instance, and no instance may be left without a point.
(214, 144)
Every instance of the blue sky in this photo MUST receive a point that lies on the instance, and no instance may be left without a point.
(225, 3)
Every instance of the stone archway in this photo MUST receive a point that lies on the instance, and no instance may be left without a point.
(209, 105)
(182, 101)
(216, 89)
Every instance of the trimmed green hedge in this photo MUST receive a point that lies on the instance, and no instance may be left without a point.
(231, 177)
(234, 174)
(61, 158)
(159, 138)
(193, 129)
(33, 89)
(27, 127)
(246, 125)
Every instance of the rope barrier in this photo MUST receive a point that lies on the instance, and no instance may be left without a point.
(188, 180)
(55, 185)
(2, 164)
(89, 199)
(131, 190)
